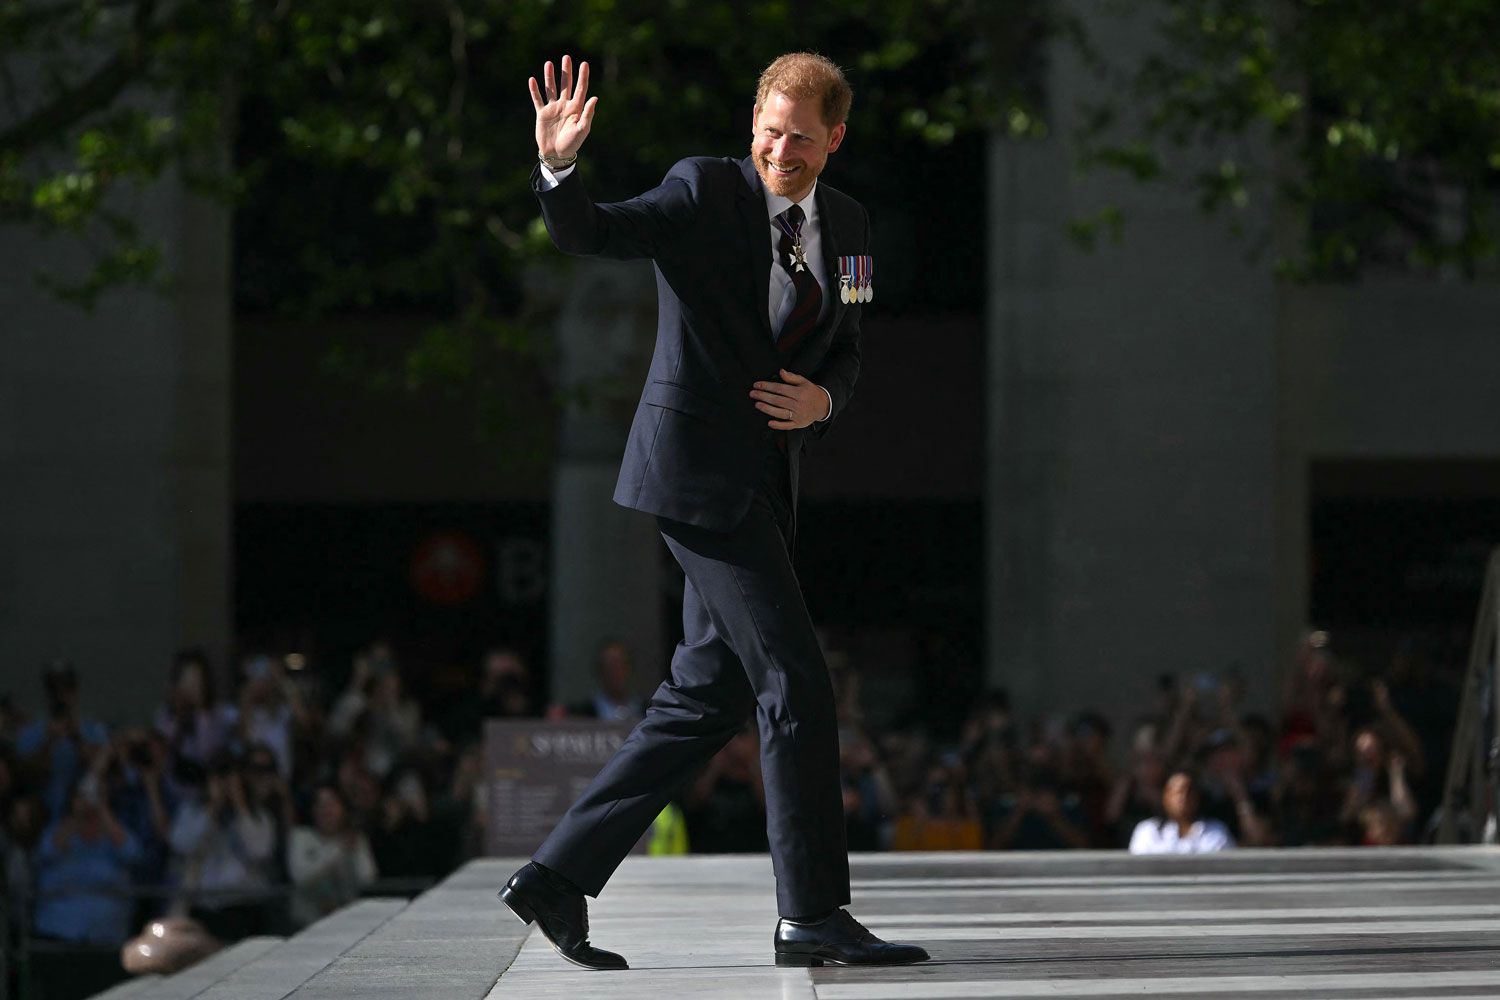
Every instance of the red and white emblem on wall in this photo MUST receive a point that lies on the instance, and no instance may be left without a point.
(447, 568)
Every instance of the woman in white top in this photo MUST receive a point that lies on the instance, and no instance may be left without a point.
(329, 862)
(1179, 830)
(270, 710)
(222, 845)
(376, 700)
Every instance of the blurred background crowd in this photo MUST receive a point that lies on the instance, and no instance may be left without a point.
(261, 807)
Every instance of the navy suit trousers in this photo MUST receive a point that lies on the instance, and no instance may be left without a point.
(748, 644)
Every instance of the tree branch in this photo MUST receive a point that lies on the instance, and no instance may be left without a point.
(96, 92)
(459, 50)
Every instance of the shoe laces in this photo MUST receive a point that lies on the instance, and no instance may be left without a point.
(859, 930)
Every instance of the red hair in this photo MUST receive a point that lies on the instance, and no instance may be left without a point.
(803, 75)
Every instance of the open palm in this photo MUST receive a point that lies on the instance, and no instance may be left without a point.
(563, 118)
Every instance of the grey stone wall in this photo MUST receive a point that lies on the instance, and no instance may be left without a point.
(1131, 431)
(607, 561)
(1394, 368)
(114, 465)
(1155, 407)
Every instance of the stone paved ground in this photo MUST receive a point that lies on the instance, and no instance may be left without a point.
(1245, 925)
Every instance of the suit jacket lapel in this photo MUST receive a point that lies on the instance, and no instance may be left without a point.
(831, 243)
(757, 232)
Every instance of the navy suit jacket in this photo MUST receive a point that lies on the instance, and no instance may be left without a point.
(698, 446)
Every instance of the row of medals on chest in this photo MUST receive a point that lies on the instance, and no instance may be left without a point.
(848, 293)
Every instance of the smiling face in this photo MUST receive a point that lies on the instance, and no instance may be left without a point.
(791, 144)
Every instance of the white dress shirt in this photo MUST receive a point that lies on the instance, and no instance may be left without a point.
(783, 292)
(783, 289)
(1152, 836)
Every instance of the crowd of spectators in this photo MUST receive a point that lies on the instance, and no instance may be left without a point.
(261, 812)
(1350, 757)
(252, 814)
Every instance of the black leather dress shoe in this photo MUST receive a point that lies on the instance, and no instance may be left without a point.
(840, 939)
(535, 893)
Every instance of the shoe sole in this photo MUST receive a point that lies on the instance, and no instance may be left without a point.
(818, 961)
(526, 916)
(585, 965)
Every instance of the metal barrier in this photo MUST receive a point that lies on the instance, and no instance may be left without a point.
(1471, 793)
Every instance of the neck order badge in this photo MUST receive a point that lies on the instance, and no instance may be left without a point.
(790, 224)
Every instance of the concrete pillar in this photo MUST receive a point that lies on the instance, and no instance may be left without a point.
(1131, 428)
(114, 464)
(1026, 398)
(606, 560)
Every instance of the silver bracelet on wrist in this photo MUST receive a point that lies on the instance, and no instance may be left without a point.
(557, 162)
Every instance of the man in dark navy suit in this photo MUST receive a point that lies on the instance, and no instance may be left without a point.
(760, 270)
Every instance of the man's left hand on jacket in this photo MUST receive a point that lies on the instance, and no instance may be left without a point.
(794, 402)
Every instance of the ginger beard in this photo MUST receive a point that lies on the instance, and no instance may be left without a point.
(789, 179)
(790, 144)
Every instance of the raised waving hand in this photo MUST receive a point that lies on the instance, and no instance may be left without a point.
(563, 117)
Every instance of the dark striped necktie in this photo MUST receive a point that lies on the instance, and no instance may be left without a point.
(804, 315)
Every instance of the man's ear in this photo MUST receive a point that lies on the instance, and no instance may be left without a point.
(835, 137)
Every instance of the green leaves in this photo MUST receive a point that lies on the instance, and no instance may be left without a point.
(67, 200)
(127, 263)
(1384, 115)
(1087, 230)
(418, 111)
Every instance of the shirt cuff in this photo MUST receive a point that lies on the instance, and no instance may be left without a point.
(551, 180)
(830, 406)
